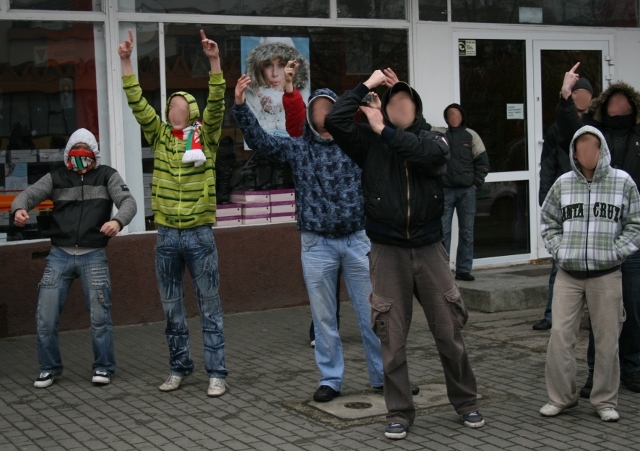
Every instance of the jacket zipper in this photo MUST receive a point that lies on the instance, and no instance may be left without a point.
(586, 244)
(406, 171)
(81, 207)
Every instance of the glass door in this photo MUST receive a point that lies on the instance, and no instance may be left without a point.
(551, 59)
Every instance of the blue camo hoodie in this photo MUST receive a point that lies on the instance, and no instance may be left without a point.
(591, 225)
(327, 182)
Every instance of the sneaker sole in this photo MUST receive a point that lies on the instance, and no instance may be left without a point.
(100, 380)
(395, 435)
(478, 424)
(44, 384)
(217, 395)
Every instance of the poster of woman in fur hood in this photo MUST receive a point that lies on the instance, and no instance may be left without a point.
(263, 60)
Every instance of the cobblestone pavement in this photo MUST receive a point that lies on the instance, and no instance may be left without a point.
(271, 371)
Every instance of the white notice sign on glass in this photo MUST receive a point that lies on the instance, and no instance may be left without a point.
(515, 111)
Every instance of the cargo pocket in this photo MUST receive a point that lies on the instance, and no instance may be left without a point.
(459, 312)
(380, 317)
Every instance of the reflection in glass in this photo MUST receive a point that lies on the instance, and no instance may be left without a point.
(493, 94)
(48, 90)
(371, 9)
(502, 219)
(586, 13)
(435, 10)
(554, 64)
(61, 5)
(273, 8)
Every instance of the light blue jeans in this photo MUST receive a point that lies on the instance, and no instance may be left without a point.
(321, 259)
(61, 269)
(196, 249)
(463, 200)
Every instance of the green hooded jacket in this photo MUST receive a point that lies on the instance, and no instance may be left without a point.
(182, 195)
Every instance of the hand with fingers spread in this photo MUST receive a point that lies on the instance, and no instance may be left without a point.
(374, 116)
(376, 79)
(124, 50)
(241, 86)
(289, 74)
(391, 79)
(212, 52)
(570, 80)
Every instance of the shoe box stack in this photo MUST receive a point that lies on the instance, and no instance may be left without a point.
(258, 207)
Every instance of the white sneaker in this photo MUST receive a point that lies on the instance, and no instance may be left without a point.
(172, 383)
(549, 410)
(217, 387)
(313, 343)
(44, 380)
(608, 414)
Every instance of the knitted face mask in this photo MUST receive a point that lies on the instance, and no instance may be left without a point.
(81, 160)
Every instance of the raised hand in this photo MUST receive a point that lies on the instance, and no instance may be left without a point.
(374, 116)
(391, 79)
(289, 74)
(241, 86)
(210, 47)
(376, 79)
(375, 101)
(125, 49)
(570, 80)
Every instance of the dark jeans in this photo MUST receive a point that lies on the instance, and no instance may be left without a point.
(397, 275)
(629, 342)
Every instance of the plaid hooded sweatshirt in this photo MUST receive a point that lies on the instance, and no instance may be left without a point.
(182, 195)
(591, 227)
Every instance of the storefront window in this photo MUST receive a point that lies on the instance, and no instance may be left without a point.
(587, 13)
(371, 9)
(274, 8)
(352, 53)
(60, 5)
(434, 10)
(48, 90)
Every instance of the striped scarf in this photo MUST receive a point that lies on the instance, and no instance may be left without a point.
(81, 160)
(193, 153)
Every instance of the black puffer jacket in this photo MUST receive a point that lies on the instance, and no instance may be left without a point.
(554, 162)
(401, 172)
(622, 133)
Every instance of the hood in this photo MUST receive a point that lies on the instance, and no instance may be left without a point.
(194, 111)
(457, 107)
(402, 86)
(318, 93)
(604, 162)
(596, 109)
(267, 50)
(84, 136)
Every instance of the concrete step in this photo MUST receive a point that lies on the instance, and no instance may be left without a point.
(509, 288)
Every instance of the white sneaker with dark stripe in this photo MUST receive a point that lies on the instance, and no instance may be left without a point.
(44, 380)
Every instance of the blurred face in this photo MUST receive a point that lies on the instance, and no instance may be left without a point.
(401, 110)
(454, 117)
(273, 72)
(587, 152)
(582, 99)
(81, 146)
(618, 105)
(319, 110)
(178, 115)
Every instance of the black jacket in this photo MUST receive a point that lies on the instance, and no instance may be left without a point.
(622, 133)
(401, 172)
(553, 163)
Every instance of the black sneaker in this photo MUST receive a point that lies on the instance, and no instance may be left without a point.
(44, 380)
(414, 389)
(395, 431)
(465, 276)
(631, 380)
(101, 377)
(325, 394)
(585, 392)
(543, 324)
(473, 420)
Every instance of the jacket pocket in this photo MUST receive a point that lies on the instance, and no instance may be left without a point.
(380, 317)
(459, 313)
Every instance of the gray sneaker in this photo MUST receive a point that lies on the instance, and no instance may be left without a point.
(172, 383)
(217, 387)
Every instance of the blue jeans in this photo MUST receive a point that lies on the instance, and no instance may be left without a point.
(61, 269)
(463, 200)
(196, 249)
(321, 259)
(629, 342)
(552, 281)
